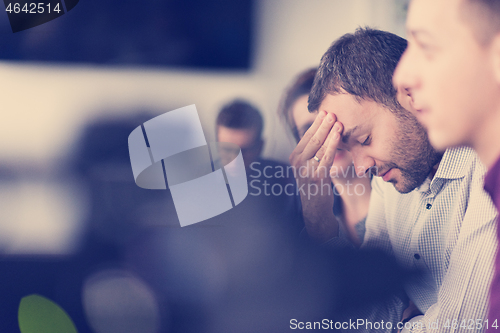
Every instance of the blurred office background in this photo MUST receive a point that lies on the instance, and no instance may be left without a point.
(45, 104)
(61, 76)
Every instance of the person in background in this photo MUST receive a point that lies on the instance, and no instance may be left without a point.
(240, 123)
(272, 194)
(351, 194)
(450, 74)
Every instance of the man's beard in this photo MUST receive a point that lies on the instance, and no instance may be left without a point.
(413, 154)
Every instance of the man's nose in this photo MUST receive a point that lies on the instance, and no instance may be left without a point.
(362, 163)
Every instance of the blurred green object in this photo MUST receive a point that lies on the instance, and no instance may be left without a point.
(38, 314)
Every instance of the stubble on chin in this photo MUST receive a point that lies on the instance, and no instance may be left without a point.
(414, 168)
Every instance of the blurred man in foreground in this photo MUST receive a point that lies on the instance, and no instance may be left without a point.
(450, 73)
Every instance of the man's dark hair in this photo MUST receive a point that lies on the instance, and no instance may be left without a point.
(300, 86)
(484, 18)
(240, 114)
(360, 64)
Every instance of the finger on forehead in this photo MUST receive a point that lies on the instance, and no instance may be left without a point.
(310, 132)
(333, 144)
(339, 128)
(319, 137)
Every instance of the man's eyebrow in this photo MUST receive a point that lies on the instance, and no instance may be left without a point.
(347, 134)
(415, 33)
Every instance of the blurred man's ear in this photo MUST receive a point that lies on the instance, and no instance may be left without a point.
(260, 147)
(405, 99)
(495, 49)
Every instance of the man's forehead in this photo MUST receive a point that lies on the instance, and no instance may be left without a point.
(428, 17)
(345, 107)
(349, 110)
(239, 136)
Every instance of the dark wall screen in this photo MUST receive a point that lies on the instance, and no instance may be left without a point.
(208, 34)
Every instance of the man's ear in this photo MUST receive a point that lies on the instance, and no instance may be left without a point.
(260, 146)
(495, 53)
(405, 99)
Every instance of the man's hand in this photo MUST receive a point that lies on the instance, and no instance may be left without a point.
(410, 312)
(320, 142)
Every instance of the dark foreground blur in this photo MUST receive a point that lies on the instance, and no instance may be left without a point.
(137, 270)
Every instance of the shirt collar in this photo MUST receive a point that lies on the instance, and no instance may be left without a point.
(454, 163)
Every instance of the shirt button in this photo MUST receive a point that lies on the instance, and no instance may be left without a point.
(417, 256)
(428, 206)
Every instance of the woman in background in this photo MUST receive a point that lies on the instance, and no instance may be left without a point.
(351, 193)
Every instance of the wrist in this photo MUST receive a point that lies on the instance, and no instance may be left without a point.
(322, 229)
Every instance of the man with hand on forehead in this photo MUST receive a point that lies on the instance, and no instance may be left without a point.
(451, 75)
(427, 208)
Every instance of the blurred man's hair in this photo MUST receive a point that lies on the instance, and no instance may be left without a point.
(240, 114)
(300, 86)
(360, 64)
(484, 18)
